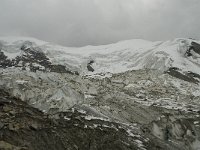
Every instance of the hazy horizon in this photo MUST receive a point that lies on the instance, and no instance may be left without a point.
(96, 22)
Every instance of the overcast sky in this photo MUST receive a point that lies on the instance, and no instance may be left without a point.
(94, 22)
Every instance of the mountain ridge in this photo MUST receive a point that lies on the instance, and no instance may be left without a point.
(115, 58)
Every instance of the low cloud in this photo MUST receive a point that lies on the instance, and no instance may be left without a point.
(94, 22)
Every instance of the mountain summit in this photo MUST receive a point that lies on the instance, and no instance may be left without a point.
(136, 54)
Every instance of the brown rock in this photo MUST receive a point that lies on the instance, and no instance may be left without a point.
(7, 146)
(7, 108)
(14, 126)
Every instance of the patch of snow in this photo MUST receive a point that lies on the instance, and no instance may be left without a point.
(96, 118)
(88, 96)
(81, 111)
(66, 118)
(11, 55)
(21, 81)
(130, 133)
(11, 40)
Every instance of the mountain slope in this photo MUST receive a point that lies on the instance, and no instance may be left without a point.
(25, 128)
(113, 58)
(150, 89)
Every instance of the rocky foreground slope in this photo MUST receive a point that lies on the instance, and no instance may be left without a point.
(24, 127)
(130, 95)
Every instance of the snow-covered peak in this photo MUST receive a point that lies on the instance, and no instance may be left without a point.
(11, 45)
(14, 40)
(113, 58)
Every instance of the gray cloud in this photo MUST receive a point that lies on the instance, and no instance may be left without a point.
(93, 22)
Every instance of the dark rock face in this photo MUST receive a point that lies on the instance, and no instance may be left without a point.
(89, 66)
(196, 47)
(189, 76)
(4, 62)
(33, 59)
(193, 47)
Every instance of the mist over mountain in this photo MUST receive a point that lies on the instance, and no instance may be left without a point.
(134, 94)
(97, 22)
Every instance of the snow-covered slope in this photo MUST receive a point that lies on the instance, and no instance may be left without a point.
(113, 58)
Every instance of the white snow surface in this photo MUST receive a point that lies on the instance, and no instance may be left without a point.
(13, 40)
(113, 58)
